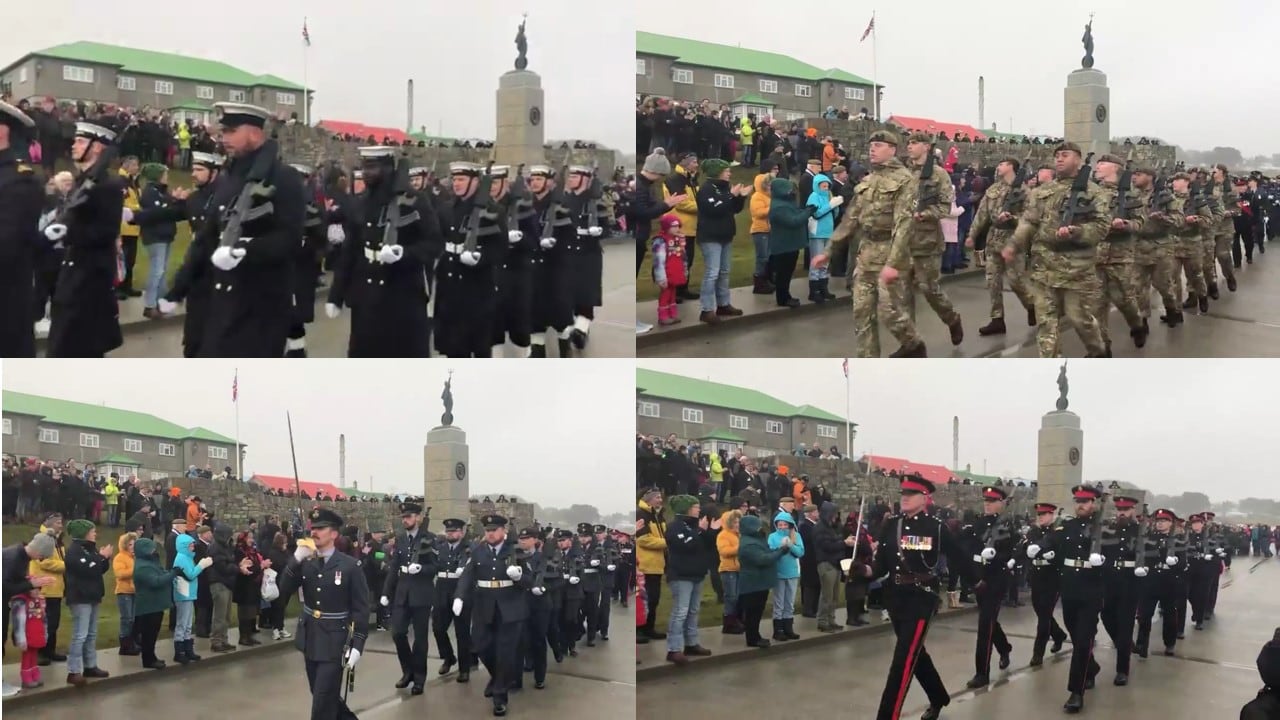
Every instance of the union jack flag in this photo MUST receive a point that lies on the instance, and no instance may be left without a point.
(871, 26)
(846, 368)
(235, 387)
(306, 36)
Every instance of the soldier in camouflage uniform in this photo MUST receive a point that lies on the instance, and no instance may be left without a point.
(879, 199)
(1225, 229)
(1063, 259)
(992, 218)
(1115, 253)
(1153, 252)
(1189, 253)
(1208, 229)
(923, 238)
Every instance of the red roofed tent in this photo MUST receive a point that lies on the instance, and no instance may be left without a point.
(342, 127)
(285, 484)
(936, 474)
(933, 127)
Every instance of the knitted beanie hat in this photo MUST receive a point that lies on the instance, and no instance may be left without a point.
(712, 168)
(152, 172)
(657, 163)
(680, 504)
(667, 221)
(78, 529)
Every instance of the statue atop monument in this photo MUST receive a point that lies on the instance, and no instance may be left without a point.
(447, 397)
(522, 45)
(1062, 387)
(1087, 62)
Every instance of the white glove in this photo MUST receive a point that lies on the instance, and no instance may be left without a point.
(1221, 552)
(389, 254)
(1096, 560)
(538, 591)
(457, 607)
(353, 657)
(1208, 557)
(302, 553)
(1011, 564)
(166, 307)
(1140, 572)
(470, 258)
(1049, 555)
(1171, 561)
(56, 232)
(547, 243)
(336, 234)
(332, 311)
(126, 215)
(384, 602)
(413, 568)
(204, 563)
(583, 232)
(226, 258)
(611, 568)
(595, 563)
(575, 580)
(595, 231)
(837, 201)
(514, 236)
(514, 572)
(988, 553)
(1032, 551)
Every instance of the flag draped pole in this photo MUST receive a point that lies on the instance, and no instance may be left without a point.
(235, 400)
(875, 86)
(306, 92)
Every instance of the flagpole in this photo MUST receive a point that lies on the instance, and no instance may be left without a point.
(239, 472)
(848, 436)
(306, 93)
(875, 75)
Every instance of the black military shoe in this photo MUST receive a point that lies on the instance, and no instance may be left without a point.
(1231, 284)
(537, 351)
(1122, 679)
(578, 338)
(416, 690)
(1004, 661)
(1182, 635)
(1213, 290)
(1088, 683)
(1036, 660)
(591, 642)
(933, 713)
(499, 709)
(464, 675)
(565, 349)
(1168, 650)
(1199, 626)
(604, 636)
(1139, 335)
(1204, 304)
(978, 681)
(995, 327)
(1190, 303)
(405, 681)
(957, 332)
(539, 684)
(1074, 704)
(1057, 646)
(447, 666)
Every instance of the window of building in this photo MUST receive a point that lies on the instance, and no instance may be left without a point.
(164, 87)
(804, 90)
(124, 82)
(641, 69)
(769, 86)
(159, 476)
(132, 445)
(684, 77)
(691, 415)
(738, 422)
(8, 426)
(204, 92)
(75, 73)
(88, 440)
(773, 427)
(761, 452)
(855, 94)
(828, 431)
(724, 81)
(168, 450)
(236, 96)
(742, 110)
(647, 409)
(217, 453)
(286, 99)
(22, 74)
(795, 116)
(49, 435)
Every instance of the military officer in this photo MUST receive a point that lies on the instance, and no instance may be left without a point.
(1125, 565)
(454, 554)
(997, 216)
(1218, 546)
(1064, 252)
(994, 541)
(1187, 255)
(252, 303)
(595, 563)
(1165, 555)
(409, 591)
(466, 282)
(21, 200)
(533, 641)
(334, 621)
(583, 255)
(551, 305)
(495, 582)
(609, 553)
(193, 282)
(515, 288)
(1044, 580)
(1154, 248)
(572, 570)
(1204, 563)
(556, 584)
(1116, 252)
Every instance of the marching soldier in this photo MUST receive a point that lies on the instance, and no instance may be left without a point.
(556, 582)
(1116, 253)
(21, 200)
(992, 218)
(494, 583)
(1224, 229)
(609, 552)
(1154, 249)
(1122, 548)
(1203, 563)
(307, 257)
(1165, 556)
(551, 306)
(911, 545)
(453, 555)
(1044, 580)
(193, 282)
(409, 591)
(625, 576)
(252, 242)
(1188, 255)
(1074, 546)
(533, 641)
(993, 560)
(334, 622)
(515, 286)
(466, 283)
(594, 560)
(1210, 213)
(420, 179)
(375, 571)
(572, 570)
(583, 255)
(1218, 545)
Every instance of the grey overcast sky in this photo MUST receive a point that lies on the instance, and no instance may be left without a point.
(1188, 72)
(363, 54)
(555, 433)
(1169, 426)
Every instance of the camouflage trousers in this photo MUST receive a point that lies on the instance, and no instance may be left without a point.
(873, 302)
(1222, 250)
(925, 277)
(1186, 260)
(1077, 305)
(1116, 287)
(1208, 251)
(997, 271)
(1155, 271)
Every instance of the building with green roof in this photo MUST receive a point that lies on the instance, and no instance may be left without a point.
(720, 416)
(749, 81)
(132, 77)
(115, 440)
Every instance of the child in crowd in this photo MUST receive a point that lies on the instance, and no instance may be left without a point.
(27, 617)
(669, 270)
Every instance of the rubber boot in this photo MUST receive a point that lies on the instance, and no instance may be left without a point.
(815, 296)
(191, 651)
(778, 634)
(790, 629)
(826, 288)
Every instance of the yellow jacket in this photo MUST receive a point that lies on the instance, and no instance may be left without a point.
(727, 544)
(54, 566)
(651, 541)
(184, 137)
(133, 201)
(760, 203)
(122, 566)
(745, 132)
(717, 470)
(687, 211)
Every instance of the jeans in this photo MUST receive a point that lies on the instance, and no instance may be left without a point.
(125, 604)
(84, 638)
(113, 515)
(682, 627)
(748, 154)
(952, 258)
(185, 612)
(818, 246)
(157, 263)
(715, 275)
(729, 580)
(784, 598)
(761, 241)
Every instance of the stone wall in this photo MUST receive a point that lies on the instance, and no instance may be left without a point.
(313, 146)
(854, 134)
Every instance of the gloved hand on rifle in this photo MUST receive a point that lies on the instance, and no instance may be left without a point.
(595, 231)
(389, 254)
(227, 258)
(336, 234)
(353, 657)
(547, 243)
(332, 311)
(514, 236)
(469, 258)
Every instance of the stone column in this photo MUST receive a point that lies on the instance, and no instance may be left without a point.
(446, 475)
(521, 123)
(1061, 459)
(1088, 111)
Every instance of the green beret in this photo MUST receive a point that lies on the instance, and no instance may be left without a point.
(1070, 146)
(1108, 157)
(884, 136)
(919, 137)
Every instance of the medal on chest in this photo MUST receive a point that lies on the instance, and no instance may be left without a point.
(337, 577)
(917, 542)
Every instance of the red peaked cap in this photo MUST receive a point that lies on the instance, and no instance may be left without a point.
(915, 483)
(994, 493)
(1164, 514)
(1124, 502)
(1042, 508)
(1085, 492)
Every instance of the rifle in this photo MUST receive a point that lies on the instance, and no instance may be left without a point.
(1122, 190)
(1014, 201)
(1079, 186)
(926, 194)
(594, 193)
(1161, 196)
(400, 186)
(297, 484)
(519, 192)
(1095, 527)
(478, 202)
(94, 175)
(1140, 545)
(556, 197)
(348, 672)
(242, 211)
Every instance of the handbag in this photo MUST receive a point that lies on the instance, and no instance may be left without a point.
(270, 591)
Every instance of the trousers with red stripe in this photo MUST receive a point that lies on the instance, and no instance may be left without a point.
(911, 609)
(990, 634)
(1081, 604)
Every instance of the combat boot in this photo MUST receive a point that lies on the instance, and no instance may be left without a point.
(1213, 290)
(1074, 704)
(1139, 335)
(1231, 283)
(995, 327)
(1204, 304)
(1190, 304)
(957, 331)
(915, 351)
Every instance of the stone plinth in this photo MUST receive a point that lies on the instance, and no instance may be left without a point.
(1086, 92)
(520, 102)
(444, 458)
(1061, 457)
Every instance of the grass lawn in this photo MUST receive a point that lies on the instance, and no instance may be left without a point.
(710, 614)
(743, 251)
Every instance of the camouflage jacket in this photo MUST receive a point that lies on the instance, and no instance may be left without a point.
(1117, 248)
(1187, 234)
(1061, 262)
(989, 209)
(1211, 211)
(1160, 228)
(924, 237)
(1228, 204)
(871, 221)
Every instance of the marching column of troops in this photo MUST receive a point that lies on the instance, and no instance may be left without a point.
(1115, 572)
(1071, 248)
(503, 258)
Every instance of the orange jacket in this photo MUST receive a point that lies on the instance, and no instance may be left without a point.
(193, 514)
(828, 156)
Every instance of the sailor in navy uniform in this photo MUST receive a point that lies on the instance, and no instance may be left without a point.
(466, 281)
(193, 282)
(494, 583)
(515, 286)
(584, 257)
(1075, 546)
(409, 591)
(592, 584)
(609, 550)
(453, 553)
(558, 574)
(307, 264)
(334, 621)
(1165, 556)
(252, 303)
(533, 641)
(1123, 570)
(624, 577)
(994, 543)
(552, 306)
(21, 200)
(1044, 579)
(911, 546)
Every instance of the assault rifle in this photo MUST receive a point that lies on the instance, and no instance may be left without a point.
(1095, 525)
(1014, 201)
(94, 175)
(556, 198)
(926, 194)
(1140, 545)
(400, 186)
(519, 192)
(242, 210)
(1161, 196)
(1123, 188)
(594, 193)
(1074, 206)
(478, 203)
